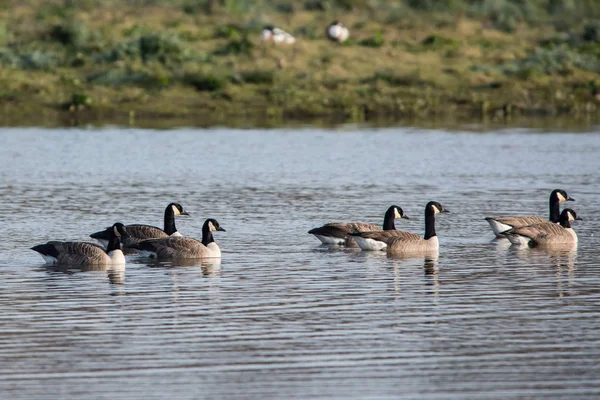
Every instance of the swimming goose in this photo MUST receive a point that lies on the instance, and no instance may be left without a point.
(404, 242)
(337, 233)
(83, 253)
(139, 232)
(337, 32)
(177, 247)
(503, 224)
(277, 35)
(546, 233)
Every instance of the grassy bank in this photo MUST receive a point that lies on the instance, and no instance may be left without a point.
(204, 60)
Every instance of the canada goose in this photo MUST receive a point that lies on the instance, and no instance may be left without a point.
(337, 32)
(83, 253)
(139, 232)
(502, 224)
(177, 247)
(546, 233)
(276, 35)
(337, 233)
(404, 242)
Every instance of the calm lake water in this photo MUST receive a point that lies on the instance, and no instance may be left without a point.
(282, 316)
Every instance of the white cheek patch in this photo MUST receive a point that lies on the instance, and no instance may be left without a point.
(561, 198)
(571, 217)
(211, 227)
(396, 213)
(175, 210)
(435, 210)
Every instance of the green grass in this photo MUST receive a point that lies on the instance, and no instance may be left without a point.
(404, 58)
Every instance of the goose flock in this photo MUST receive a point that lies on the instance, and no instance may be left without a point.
(169, 244)
(336, 32)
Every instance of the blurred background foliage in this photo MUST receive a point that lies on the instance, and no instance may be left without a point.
(406, 56)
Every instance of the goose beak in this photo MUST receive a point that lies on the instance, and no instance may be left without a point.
(405, 216)
(221, 229)
(570, 199)
(445, 210)
(579, 219)
(185, 213)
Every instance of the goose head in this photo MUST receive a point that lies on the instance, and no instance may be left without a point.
(397, 211)
(213, 225)
(433, 207)
(560, 196)
(569, 214)
(177, 209)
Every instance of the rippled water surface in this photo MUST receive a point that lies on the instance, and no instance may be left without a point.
(282, 316)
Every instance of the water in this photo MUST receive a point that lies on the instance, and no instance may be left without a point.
(281, 316)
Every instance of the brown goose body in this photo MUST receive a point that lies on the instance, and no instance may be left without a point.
(83, 253)
(178, 247)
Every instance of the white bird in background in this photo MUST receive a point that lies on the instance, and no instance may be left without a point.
(277, 35)
(337, 32)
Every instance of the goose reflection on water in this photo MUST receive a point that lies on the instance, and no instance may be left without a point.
(115, 273)
(430, 269)
(561, 259)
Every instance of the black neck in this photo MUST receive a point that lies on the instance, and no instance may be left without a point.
(114, 243)
(388, 220)
(170, 221)
(207, 236)
(564, 221)
(554, 208)
(429, 224)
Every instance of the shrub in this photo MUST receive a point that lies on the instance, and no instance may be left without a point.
(236, 46)
(70, 33)
(258, 77)
(374, 41)
(204, 83)
(229, 31)
(393, 78)
(559, 60)
(591, 32)
(504, 14)
(38, 60)
(81, 100)
(164, 48)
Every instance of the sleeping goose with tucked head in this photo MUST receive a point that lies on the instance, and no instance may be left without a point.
(337, 32)
(178, 247)
(404, 242)
(547, 233)
(82, 253)
(139, 232)
(276, 35)
(503, 224)
(338, 233)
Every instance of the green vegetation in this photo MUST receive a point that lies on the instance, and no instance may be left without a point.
(206, 59)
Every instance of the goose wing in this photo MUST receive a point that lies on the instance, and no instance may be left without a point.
(517, 221)
(143, 232)
(79, 253)
(386, 236)
(343, 229)
(544, 233)
(175, 247)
